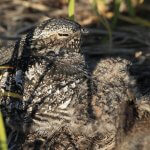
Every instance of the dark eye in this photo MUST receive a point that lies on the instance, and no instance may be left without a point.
(51, 53)
(63, 34)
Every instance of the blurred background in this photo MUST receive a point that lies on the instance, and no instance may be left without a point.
(114, 23)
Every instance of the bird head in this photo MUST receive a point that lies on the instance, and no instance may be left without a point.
(56, 36)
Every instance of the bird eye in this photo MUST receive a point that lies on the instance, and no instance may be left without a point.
(63, 34)
(51, 53)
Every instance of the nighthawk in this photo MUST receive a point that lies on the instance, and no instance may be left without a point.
(55, 97)
(43, 79)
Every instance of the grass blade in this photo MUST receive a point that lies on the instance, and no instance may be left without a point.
(71, 7)
(3, 141)
(131, 10)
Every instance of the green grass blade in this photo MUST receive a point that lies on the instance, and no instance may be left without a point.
(116, 12)
(71, 7)
(131, 10)
(3, 141)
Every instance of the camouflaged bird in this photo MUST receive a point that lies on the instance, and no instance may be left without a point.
(58, 98)
(43, 78)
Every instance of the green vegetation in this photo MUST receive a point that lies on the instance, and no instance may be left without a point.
(129, 16)
(117, 4)
(71, 7)
(113, 13)
(3, 141)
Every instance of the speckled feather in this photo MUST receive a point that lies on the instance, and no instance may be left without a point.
(65, 105)
(50, 73)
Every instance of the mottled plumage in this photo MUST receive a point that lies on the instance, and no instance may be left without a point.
(47, 76)
(64, 99)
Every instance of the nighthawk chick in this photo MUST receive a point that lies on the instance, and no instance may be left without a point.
(138, 138)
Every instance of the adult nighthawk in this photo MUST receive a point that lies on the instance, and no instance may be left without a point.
(44, 76)
(58, 98)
